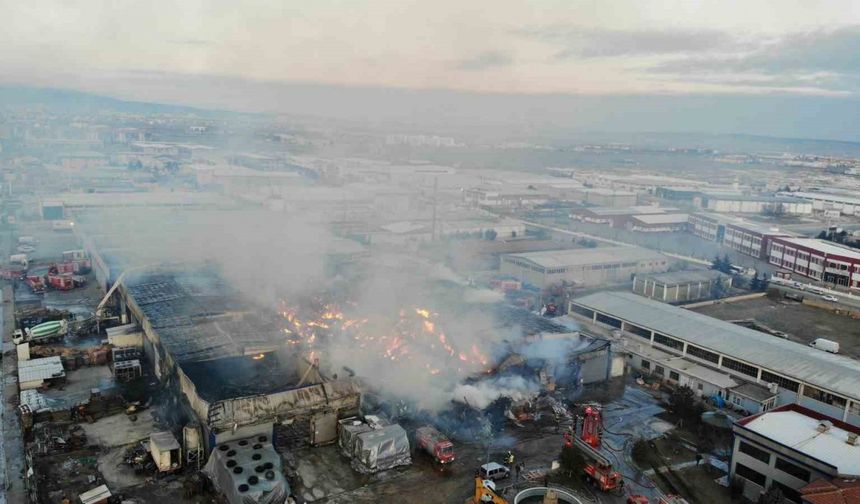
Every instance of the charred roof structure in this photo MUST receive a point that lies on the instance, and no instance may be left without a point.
(227, 360)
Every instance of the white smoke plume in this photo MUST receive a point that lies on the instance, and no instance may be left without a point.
(485, 392)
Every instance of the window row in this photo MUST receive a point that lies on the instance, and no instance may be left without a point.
(703, 354)
(740, 367)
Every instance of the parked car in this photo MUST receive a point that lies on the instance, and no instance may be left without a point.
(832, 299)
(494, 471)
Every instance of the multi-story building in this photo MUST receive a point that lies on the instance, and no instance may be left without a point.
(749, 238)
(708, 227)
(791, 446)
(817, 259)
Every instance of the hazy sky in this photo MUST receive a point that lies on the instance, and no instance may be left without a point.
(591, 47)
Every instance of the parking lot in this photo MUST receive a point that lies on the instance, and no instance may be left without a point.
(802, 323)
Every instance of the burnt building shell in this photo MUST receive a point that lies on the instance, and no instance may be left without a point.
(228, 361)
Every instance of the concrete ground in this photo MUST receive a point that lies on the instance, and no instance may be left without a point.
(119, 430)
(116, 474)
(324, 475)
(801, 322)
(78, 385)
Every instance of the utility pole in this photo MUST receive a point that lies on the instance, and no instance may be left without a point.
(435, 189)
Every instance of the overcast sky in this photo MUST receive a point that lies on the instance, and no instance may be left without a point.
(143, 49)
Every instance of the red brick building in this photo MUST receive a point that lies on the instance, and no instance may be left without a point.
(817, 259)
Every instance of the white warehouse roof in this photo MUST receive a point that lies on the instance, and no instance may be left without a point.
(675, 218)
(40, 369)
(800, 432)
(824, 246)
(830, 372)
(581, 257)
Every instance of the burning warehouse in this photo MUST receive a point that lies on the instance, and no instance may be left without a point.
(228, 363)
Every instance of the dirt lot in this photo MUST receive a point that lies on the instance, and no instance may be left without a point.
(802, 323)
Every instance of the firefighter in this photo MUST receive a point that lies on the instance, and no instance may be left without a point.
(510, 458)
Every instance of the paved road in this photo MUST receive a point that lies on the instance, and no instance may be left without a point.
(845, 299)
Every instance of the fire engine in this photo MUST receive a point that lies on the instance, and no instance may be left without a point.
(598, 468)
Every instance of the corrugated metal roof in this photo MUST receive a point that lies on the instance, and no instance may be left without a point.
(40, 369)
(97, 494)
(683, 277)
(578, 257)
(830, 372)
(164, 441)
(675, 218)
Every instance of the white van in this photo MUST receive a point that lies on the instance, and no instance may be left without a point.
(494, 471)
(826, 345)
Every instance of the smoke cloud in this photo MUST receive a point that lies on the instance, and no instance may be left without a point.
(410, 329)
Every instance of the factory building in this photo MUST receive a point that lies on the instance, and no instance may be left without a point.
(503, 198)
(584, 267)
(817, 259)
(749, 238)
(820, 381)
(652, 217)
(659, 223)
(737, 203)
(846, 204)
(790, 447)
(227, 362)
(677, 193)
(680, 287)
(600, 196)
(708, 227)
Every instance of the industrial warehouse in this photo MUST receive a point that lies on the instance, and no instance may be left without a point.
(583, 267)
(829, 384)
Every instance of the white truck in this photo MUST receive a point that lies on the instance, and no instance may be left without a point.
(825, 344)
(21, 259)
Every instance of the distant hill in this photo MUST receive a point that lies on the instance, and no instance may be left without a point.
(76, 102)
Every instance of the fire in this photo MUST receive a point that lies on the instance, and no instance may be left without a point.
(414, 339)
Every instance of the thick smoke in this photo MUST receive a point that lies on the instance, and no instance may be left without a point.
(277, 260)
(483, 393)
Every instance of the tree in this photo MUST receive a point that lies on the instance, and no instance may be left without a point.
(685, 406)
(717, 263)
(571, 460)
(823, 235)
(755, 283)
(718, 289)
(642, 453)
(727, 264)
(773, 496)
(490, 234)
